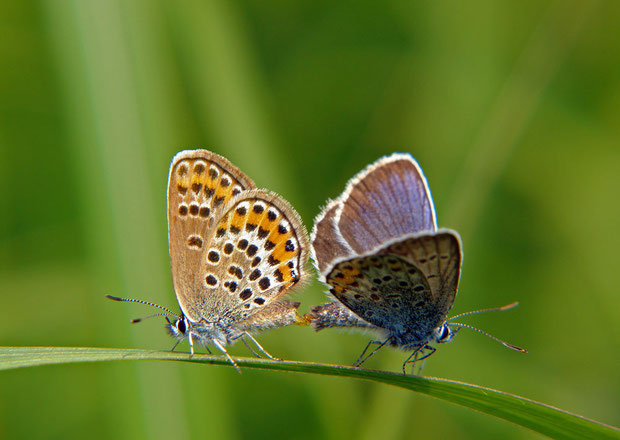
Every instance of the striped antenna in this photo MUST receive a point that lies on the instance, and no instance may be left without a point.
(458, 325)
(493, 309)
(139, 301)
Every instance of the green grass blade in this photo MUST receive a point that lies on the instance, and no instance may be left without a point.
(536, 416)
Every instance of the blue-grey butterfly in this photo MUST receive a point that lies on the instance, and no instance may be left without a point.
(378, 249)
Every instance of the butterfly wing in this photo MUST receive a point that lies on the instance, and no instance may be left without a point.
(257, 252)
(439, 257)
(200, 184)
(386, 209)
(408, 292)
(327, 243)
(388, 199)
(384, 290)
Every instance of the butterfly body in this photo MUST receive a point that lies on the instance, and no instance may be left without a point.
(227, 330)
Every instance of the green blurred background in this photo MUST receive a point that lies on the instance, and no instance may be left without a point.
(511, 108)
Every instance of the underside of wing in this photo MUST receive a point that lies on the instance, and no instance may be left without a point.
(439, 257)
(200, 184)
(386, 291)
(258, 251)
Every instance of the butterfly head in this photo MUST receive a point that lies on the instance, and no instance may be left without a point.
(178, 328)
(444, 333)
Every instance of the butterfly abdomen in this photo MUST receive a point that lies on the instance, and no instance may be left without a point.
(334, 315)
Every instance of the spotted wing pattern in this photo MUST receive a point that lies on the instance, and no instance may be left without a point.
(200, 184)
(406, 288)
(384, 290)
(257, 252)
(439, 257)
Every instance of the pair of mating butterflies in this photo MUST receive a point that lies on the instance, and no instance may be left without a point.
(236, 251)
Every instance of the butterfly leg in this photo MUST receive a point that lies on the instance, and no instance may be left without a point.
(223, 350)
(175, 345)
(361, 359)
(357, 362)
(414, 355)
(427, 347)
(413, 363)
(260, 347)
(419, 364)
(191, 345)
(251, 349)
(423, 358)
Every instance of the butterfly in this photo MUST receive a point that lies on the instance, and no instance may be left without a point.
(235, 252)
(378, 249)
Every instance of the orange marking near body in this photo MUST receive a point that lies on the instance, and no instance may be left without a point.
(348, 279)
(204, 178)
(279, 239)
(350, 271)
(183, 181)
(208, 179)
(348, 275)
(286, 272)
(305, 320)
(209, 187)
(253, 217)
(280, 251)
(222, 192)
(274, 236)
(238, 221)
(267, 224)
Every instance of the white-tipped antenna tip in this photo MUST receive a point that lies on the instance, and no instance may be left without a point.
(508, 306)
(514, 347)
(492, 309)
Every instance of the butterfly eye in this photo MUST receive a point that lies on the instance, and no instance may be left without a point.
(180, 325)
(444, 334)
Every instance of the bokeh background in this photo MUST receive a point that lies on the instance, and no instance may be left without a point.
(511, 108)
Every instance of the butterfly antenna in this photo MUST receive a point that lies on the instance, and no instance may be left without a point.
(139, 301)
(458, 325)
(493, 309)
(135, 321)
